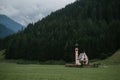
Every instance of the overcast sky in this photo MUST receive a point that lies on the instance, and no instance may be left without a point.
(27, 11)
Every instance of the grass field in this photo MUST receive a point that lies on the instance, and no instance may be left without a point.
(9, 70)
(12, 71)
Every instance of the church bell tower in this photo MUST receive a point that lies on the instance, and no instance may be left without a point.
(77, 62)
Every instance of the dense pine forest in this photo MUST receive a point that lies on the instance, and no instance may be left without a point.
(94, 24)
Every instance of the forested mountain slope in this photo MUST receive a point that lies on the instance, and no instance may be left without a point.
(94, 24)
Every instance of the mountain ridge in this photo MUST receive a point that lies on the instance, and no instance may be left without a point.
(9, 23)
(4, 31)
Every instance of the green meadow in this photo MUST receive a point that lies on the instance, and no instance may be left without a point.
(12, 71)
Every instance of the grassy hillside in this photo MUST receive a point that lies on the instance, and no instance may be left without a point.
(114, 59)
(2, 54)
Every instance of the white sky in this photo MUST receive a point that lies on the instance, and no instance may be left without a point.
(27, 11)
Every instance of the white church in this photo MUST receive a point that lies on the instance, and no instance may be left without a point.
(80, 58)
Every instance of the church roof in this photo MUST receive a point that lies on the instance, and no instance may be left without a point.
(83, 55)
